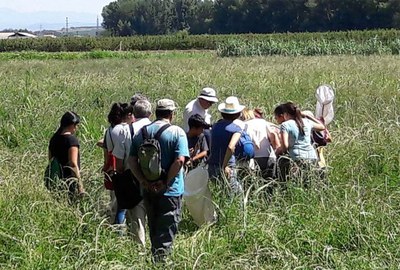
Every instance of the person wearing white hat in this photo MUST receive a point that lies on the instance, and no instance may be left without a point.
(225, 134)
(200, 106)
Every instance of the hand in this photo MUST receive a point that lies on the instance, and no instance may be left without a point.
(157, 186)
(228, 171)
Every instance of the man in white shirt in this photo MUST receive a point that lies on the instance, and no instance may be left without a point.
(135, 217)
(200, 106)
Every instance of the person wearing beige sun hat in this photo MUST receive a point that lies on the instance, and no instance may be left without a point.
(200, 106)
(224, 136)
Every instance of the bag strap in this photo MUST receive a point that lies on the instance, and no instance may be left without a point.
(160, 131)
(131, 131)
(109, 134)
(157, 136)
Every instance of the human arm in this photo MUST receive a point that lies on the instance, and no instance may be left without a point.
(316, 125)
(73, 154)
(273, 138)
(134, 166)
(229, 152)
(284, 146)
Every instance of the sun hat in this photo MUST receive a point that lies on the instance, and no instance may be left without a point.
(231, 106)
(208, 94)
(166, 104)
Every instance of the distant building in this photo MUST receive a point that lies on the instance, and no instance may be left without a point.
(14, 35)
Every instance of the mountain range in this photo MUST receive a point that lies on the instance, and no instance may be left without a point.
(45, 20)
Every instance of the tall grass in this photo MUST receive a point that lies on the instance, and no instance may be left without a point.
(351, 222)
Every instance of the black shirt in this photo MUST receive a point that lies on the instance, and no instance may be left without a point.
(59, 146)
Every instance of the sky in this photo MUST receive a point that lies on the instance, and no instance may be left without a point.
(87, 6)
(49, 14)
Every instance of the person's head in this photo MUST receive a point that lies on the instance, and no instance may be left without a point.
(69, 121)
(142, 109)
(258, 113)
(127, 113)
(279, 114)
(197, 124)
(136, 97)
(292, 112)
(115, 116)
(247, 114)
(165, 109)
(231, 108)
(207, 97)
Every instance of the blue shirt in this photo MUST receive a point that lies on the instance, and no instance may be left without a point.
(300, 146)
(221, 135)
(174, 144)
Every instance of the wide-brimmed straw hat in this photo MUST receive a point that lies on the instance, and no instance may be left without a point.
(231, 106)
(208, 94)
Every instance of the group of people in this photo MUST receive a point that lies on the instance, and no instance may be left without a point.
(157, 191)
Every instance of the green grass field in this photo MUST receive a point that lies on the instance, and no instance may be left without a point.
(352, 223)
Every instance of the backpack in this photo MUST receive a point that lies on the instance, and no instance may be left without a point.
(149, 154)
(321, 138)
(53, 174)
(244, 148)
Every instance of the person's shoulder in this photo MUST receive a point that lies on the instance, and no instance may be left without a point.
(177, 130)
(190, 105)
(72, 140)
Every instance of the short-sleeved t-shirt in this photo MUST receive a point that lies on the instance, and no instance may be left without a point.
(59, 147)
(174, 144)
(300, 146)
(199, 142)
(258, 132)
(221, 135)
(118, 141)
(192, 108)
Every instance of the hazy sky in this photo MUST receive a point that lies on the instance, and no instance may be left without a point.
(89, 6)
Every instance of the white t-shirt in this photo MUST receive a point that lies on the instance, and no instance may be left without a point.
(194, 107)
(139, 123)
(258, 132)
(119, 142)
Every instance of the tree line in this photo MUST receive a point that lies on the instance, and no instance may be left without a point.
(156, 17)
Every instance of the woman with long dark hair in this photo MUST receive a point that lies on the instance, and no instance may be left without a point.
(296, 135)
(64, 146)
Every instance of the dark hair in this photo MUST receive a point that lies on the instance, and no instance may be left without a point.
(116, 113)
(291, 109)
(163, 113)
(69, 118)
(279, 110)
(197, 121)
(231, 117)
(126, 109)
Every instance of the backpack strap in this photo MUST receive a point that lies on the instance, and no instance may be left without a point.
(109, 134)
(145, 133)
(131, 131)
(157, 136)
(160, 131)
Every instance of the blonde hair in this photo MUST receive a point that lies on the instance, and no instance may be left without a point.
(247, 114)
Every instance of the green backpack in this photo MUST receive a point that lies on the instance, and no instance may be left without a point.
(149, 154)
(53, 174)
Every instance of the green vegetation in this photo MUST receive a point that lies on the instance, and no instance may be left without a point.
(351, 223)
(352, 42)
(157, 17)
